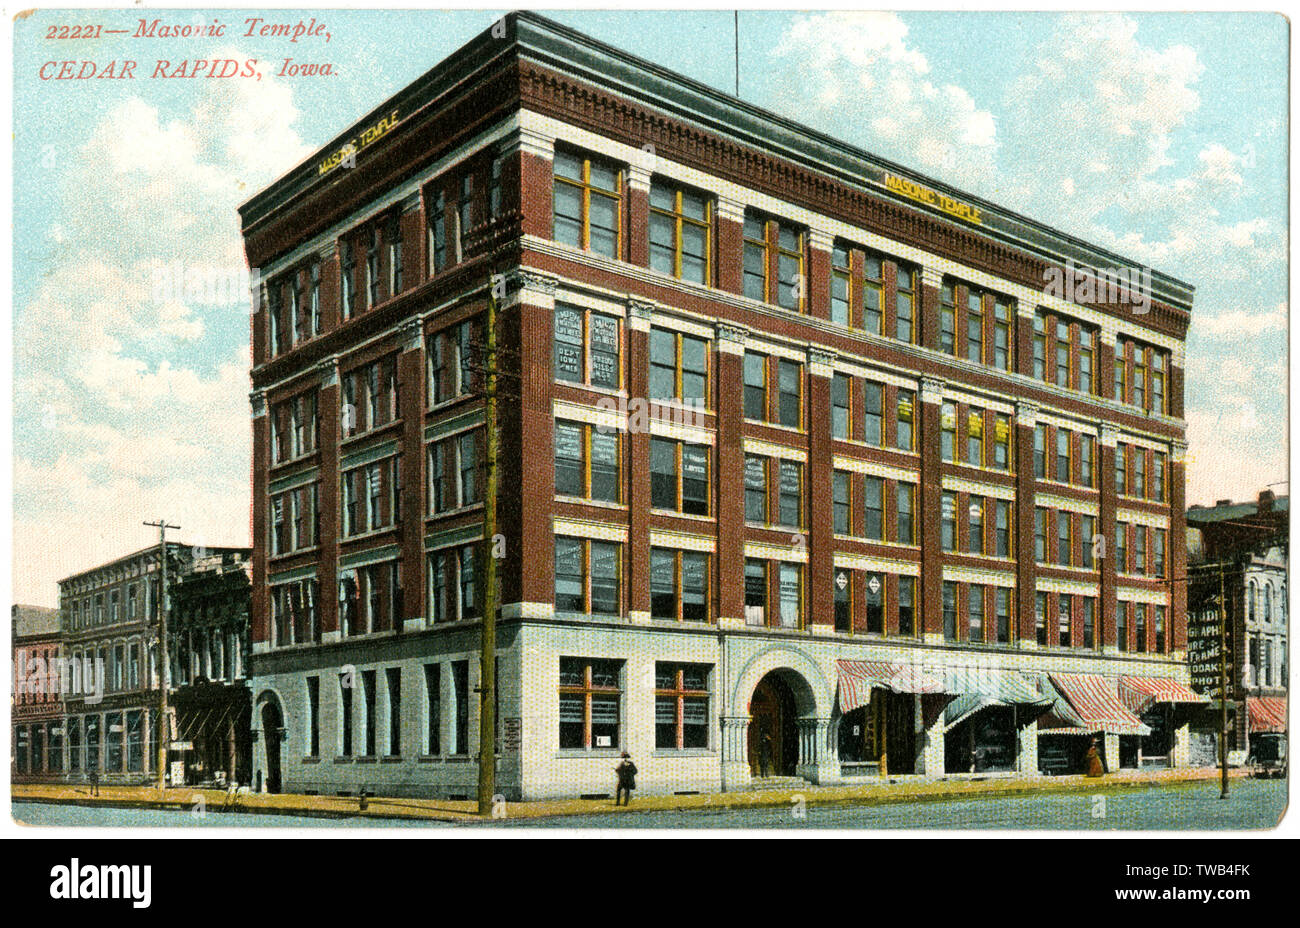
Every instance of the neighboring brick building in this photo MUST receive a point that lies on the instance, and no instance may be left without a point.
(109, 618)
(36, 719)
(856, 529)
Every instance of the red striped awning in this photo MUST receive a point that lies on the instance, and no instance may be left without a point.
(1141, 693)
(1095, 702)
(858, 678)
(1266, 713)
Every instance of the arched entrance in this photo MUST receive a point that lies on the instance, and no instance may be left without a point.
(272, 732)
(773, 727)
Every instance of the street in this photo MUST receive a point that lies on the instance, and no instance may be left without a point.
(1252, 804)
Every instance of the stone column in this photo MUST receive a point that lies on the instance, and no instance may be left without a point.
(817, 283)
(531, 158)
(1112, 752)
(730, 245)
(736, 773)
(1027, 749)
(414, 242)
(329, 418)
(818, 762)
(637, 244)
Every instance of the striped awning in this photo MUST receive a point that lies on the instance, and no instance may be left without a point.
(859, 678)
(1266, 713)
(1090, 703)
(978, 688)
(1140, 693)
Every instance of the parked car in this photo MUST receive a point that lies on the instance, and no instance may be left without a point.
(1267, 755)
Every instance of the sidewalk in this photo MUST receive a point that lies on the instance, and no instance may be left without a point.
(379, 808)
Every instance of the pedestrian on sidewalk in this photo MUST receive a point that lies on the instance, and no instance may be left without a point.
(626, 771)
(765, 756)
(1093, 760)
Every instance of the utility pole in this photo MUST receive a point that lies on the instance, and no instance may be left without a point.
(488, 648)
(1223, 688)
(164, 663)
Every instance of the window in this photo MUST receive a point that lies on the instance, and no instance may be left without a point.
(394, 680)
(1002, 528)
(1040, 451)
(679, 232)
(906, 606)
(1087, 529)
(313, 716)
(453, 357)
(975, 534)
(588, 576)
(791, 590)
(467, 458)
(905, 305)
(948, 433)
(873, 289)
(295, 520)
(1121, 472)
(948, 319)
(451, 584)
(790, 494)
(394, 236)
(841, 502)
(433, 708)
(587, 462)
(755, 488)
(949, 610)
(494, 188)
(975, 438)
(1087, 352)
(1062, 455)
(681, 706)
(756, 592)
(1064, 540)
(1002, 335)
(1089, 622)
(948, 522)
(587, 347)
(464, 215)
(975, 326)
(873, 508)
(789, 393)
(906, 404)
(873, 413)
(1040, 618)
(460, 688)
(370, 396)
(906, 528)
(1140, 626)
(590, 696)
(1087, 452)
(755, 268)
(1064, 612)
(1002, 442)
(588, 205)
(372, 267)
(1158, 468)
(1139, 472)
(843, 599)
(975, 613)
(841, 289)
(1062, 354)
(1158, 365)
(1040, 348)
(841, 385)
(1140, 549)
(1040, 535)
(438, 232)
(1158, 551)
(679, 367)
(1160, 629)
(1002, 606)
(371, 496)
(345, 714)
(755, 386)
(1121, 547)
(769, 242)
(679, 585)
(679, 476)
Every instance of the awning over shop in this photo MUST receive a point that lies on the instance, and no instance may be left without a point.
(974, 687)
(859, 678)
(1266, 713)
(977, 688)
(1140, 693)
(1089, 703)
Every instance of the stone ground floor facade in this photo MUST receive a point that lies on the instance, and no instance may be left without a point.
(698, 708)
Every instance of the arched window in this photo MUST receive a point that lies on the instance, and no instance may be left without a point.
(1250, 601)
(1268, 602)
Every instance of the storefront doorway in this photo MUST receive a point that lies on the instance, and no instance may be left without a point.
(983, 742)
(773, 728)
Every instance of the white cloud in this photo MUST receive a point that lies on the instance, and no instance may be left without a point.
(129, 406)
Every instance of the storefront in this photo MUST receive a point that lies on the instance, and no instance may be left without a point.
(1163, 705)
(878, 709)
(1087, 709)
(1265, 718)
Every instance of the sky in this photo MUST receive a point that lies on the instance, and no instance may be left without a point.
(1159, 136)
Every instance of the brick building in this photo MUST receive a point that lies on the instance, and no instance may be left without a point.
(801, 457)
(36, 718)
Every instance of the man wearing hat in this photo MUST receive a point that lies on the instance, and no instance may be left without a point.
(626, 771)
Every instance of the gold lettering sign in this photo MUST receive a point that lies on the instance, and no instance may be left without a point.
(347, 154)
(922, 194)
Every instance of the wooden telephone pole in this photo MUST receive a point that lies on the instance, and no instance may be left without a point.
(164, 663)
(488, 645)
(1223, 688)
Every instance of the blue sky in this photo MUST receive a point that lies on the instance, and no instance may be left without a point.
(1161, 136)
